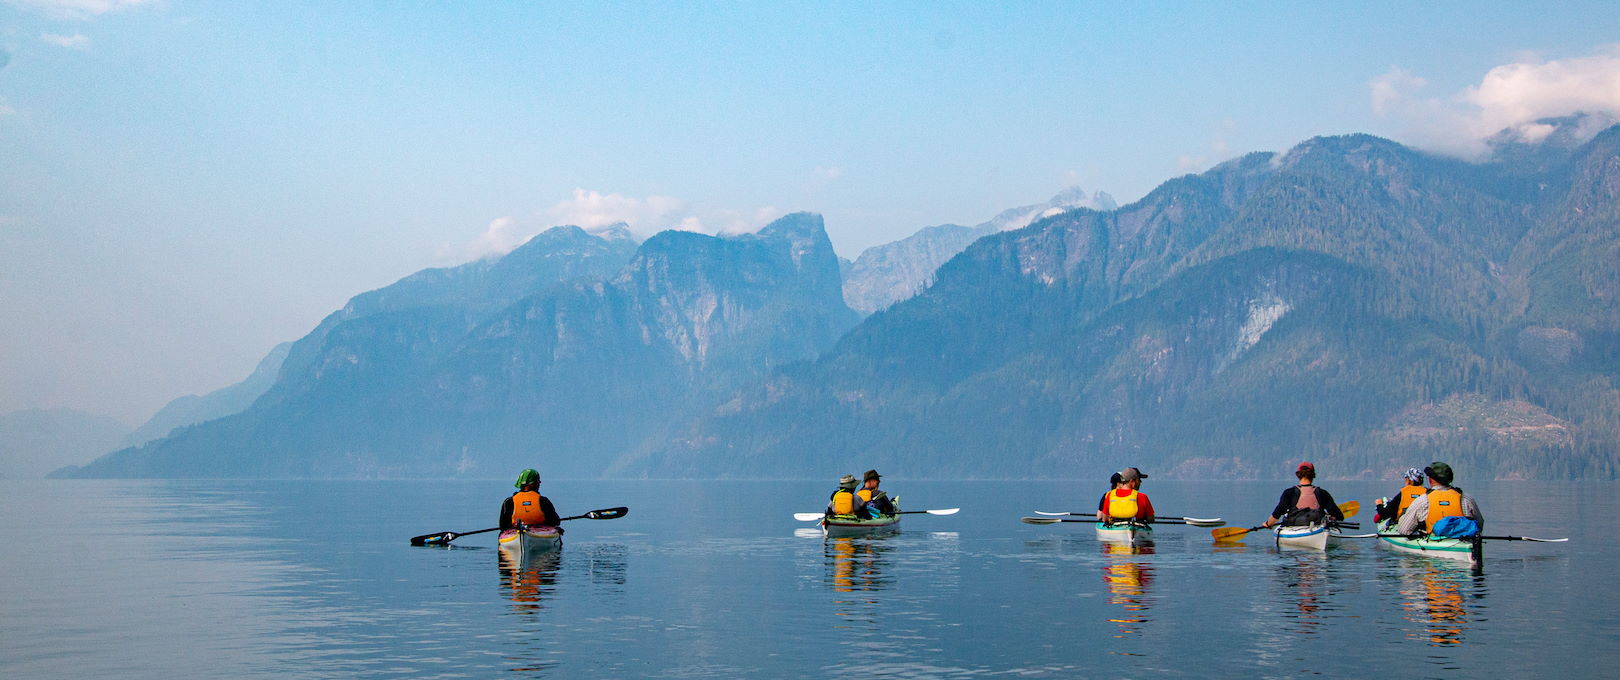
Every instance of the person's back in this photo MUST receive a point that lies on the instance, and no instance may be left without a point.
(1392, 508)
(874, 498)
(1442, 500)
(1304, 503)
(844, 501)
(526, 507)
(1126, 501)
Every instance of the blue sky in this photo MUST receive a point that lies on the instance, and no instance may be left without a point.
(183, 184)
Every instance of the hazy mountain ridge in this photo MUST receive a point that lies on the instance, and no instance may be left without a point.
(891, 272)
(36, 441)
(1363, 282)
(574, 374)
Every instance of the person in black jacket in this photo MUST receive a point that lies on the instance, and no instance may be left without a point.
(535, 509)
(1304, 503)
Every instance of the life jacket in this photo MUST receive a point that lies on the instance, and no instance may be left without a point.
(1408, 494)
(1307, 498)
(526, 509)
(843, 502)
(1123, 507)
(1442, 503)
(865, 494)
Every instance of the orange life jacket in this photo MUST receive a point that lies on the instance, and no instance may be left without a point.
(1123, 507)
(1443, 503)
(527, 511)
(865, 494)
(843, 502)
(1408, 494)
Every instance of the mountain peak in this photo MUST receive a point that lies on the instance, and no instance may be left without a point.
(795, 225)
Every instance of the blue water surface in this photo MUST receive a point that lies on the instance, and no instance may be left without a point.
(295, 579)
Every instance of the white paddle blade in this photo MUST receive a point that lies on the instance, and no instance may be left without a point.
(1202, 520)
(808, 516)
(1055, 514)
(946, 511)
(1039, 520)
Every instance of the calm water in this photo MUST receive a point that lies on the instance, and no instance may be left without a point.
(715, 579)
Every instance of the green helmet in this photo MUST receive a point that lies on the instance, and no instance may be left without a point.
(527, 477)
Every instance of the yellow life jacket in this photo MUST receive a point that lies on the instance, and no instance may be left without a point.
(865, 494)
(843, 502)
(1408, 494)
(526, 509)
(1123, 507)
(1443, 503)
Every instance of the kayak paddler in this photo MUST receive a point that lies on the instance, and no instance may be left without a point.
(1304, 503)
(875, 499)
(527, 507)
(1442, 500)
(845, 502)
(1126, 500)
(1393, 508)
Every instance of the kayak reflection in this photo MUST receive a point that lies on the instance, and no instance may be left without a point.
(1436, 599)
(857, 563)
(1305, 578)
(1128, 578)
(528, 579)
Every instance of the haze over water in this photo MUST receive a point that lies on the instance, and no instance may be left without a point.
(715, 579)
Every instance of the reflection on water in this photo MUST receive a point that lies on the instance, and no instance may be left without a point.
(1435, 597)
(1304, 579)
(527, 579)
(855, 571)
(1128, 577)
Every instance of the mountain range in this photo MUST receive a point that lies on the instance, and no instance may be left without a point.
(1351, 301)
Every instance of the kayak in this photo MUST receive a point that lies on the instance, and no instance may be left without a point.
(530, 539)
(1309, 537)
(1124, 532)
(1429, 546)
(850, 525)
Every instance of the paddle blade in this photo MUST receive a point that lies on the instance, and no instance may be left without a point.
(1039, 520)
(1199, 522)
(607, 513)
(434, 539)
(1350, 509)
(1229, 533)
(808, 516)
(946, 511)
(1056, 514)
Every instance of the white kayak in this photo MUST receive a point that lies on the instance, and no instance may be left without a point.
(1124, 532)
(1460, 549)
(1307, 537)
(530, 539)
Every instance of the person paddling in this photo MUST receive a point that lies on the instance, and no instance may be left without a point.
(1396, 506)
(845, 502)
(1442, 500)
(875, 499)
(526, 507)
(1126, 501)
(1304, 503)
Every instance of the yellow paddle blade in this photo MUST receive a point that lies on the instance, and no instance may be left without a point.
(1229, 533)
(1350, 509)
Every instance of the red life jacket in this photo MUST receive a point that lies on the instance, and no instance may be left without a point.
(526, 509)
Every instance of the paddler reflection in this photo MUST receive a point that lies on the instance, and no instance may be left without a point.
(527, 581)
(1438, 605)
(857, 563)
(1128, 578)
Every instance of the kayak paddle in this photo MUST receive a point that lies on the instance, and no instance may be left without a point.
(813, 516)
(1495, 538)
(1233, 533)
(443, 537)
(1195, 521)
(1189, 521)
(1350, 509)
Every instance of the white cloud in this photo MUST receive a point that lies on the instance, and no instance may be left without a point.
(1510, 97)
(77, 41)
(6, 110)
(590, 209)
(77, 9)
